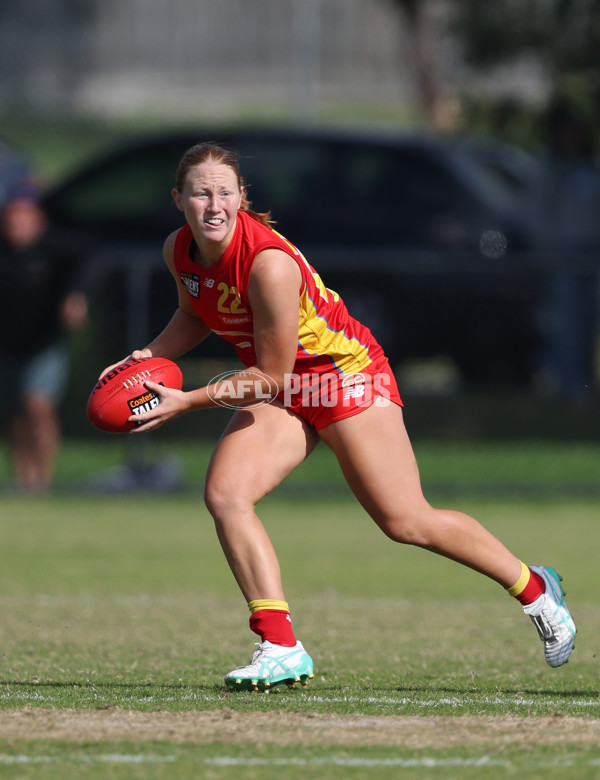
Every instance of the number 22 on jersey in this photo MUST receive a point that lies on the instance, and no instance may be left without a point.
(229, 301)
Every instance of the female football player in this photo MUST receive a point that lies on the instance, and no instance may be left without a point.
(312, 373)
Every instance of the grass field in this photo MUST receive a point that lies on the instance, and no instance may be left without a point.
(120, 617)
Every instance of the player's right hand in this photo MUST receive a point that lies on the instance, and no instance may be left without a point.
(173, 403)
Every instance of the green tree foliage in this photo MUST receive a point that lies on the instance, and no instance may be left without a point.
(563, 34)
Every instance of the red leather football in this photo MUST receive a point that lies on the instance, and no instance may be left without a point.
(121, 392)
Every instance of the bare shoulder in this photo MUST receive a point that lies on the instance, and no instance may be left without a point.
(274, 267)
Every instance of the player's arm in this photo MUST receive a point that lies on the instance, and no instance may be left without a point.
(274, 293)
(184, 330)
(274, 298)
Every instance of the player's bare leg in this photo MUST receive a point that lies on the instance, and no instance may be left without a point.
(377, 459)
(258, 449)
(261, 445)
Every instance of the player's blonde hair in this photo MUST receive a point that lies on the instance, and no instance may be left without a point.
(200, 153)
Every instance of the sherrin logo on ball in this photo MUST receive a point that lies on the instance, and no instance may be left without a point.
(121, 392)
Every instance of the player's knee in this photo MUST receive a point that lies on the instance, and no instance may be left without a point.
(214, 497)
(406, 528)
(222, 497)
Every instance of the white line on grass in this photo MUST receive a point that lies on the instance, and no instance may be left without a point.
(426, 761)
(392, 701)
(343, 761)
(105, 758)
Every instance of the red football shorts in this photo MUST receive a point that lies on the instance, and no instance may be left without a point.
(323, 398)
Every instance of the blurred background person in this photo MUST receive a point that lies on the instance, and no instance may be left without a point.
(568, 227)
(39, 305)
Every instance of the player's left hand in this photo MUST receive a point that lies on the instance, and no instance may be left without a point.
(173, 403)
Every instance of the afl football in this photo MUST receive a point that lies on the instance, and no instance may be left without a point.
(121, 392)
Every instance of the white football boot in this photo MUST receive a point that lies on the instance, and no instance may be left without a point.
(271, 665)
(552, 618)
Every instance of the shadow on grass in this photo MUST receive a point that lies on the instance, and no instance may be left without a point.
(320, 688)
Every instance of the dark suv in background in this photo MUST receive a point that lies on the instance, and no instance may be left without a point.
(423, 238)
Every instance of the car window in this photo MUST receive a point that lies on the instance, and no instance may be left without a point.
(392, 195)
(123, 188)
(394, 176)
(282, 175)
(288, 177)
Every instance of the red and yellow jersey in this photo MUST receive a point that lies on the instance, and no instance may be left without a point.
(329, 339)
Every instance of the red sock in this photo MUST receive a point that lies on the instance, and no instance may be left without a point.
(273, 625)
(533, 589)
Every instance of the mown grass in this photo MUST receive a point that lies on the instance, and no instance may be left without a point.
(193, 762)
(125, 602)
(525, 468)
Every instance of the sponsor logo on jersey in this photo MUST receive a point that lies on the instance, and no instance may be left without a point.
(192, 283)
